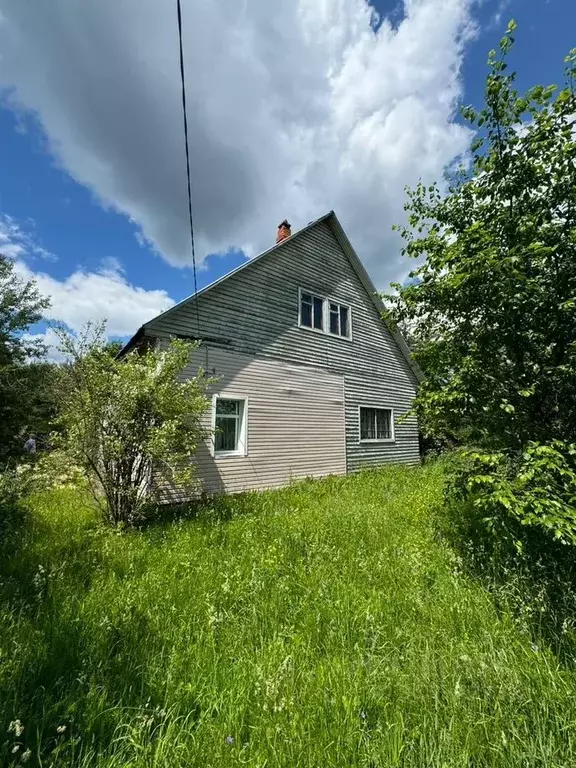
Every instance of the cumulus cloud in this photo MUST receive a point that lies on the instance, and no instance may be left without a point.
(83, 296)
(294, 109)
(93, 296)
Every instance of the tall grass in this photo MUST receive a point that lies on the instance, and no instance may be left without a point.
(322, 625)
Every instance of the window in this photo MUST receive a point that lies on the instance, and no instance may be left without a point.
(339, 320)
(376, 424)
(311, 311)
(229, 422)
(325, 315)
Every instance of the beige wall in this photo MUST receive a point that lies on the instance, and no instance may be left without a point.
(295, 427)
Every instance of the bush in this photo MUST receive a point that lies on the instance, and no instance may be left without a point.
(513, 517)
(131, 424)
(535, 489)
(12, 490)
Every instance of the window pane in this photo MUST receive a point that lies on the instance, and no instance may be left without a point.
(344, 321)
(307, 298)
(318, 308)
(306, 314)
(383, 424)
(227, 406)
(367, 424)
(334, 319)
(226, 437)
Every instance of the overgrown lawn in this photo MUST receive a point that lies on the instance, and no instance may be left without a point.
(323, 625)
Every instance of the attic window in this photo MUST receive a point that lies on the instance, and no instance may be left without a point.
(311, 311)
(319, 313)
(339, 324)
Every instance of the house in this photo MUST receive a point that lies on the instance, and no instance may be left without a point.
(311, 381)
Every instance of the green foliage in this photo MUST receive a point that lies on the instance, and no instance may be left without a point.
(30, 403)
(512, 518)
(131, 424)
(20, 306)
(536, 488)
(12, 488)
(321, 625)
(492, 308)
(25, 390)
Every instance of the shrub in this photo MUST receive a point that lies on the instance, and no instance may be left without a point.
(12, 489)
(130, 424)
(510, 491)
(513, 518)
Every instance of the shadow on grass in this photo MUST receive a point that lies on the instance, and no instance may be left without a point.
(218, 508)
(222, 507)
(64, 663)
(536, 584)
(89, 687)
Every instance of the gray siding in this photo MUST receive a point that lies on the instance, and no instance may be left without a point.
(296, 423)
(255, 313)
(371, 391)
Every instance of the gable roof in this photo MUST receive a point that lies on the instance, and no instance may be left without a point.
(332, 220)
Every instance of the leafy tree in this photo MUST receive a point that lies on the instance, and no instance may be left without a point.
(31, 396)
(492, 305)
(114, 347)
(131, 424)
(20, 386)
(491, 308)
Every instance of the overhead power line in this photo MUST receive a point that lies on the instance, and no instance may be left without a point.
(183, 80)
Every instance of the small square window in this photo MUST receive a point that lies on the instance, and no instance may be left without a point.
(376, 424)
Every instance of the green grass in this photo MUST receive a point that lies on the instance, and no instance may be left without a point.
(323, 625)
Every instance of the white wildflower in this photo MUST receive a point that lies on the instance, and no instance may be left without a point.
(16, 727)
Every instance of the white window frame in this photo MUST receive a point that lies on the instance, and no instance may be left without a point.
(314, 295)
(326, 301)
(368, 441)
(327, 312)
(242, 449)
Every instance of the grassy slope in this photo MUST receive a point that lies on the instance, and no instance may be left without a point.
(324, 625)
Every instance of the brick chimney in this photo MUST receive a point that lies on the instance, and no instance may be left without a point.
(284, 231)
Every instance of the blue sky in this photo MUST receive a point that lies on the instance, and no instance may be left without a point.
(70, 215)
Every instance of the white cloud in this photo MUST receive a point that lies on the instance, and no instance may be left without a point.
(93, 296)
(294, 109)
(15, 241)
(83, 296)
(496, 18)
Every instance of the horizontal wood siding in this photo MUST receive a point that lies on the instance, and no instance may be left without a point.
(295, 422)
(370, 391)
(255, 313)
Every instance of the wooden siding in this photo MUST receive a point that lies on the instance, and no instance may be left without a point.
(295, 422)
(371, 391)
(255, 313)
